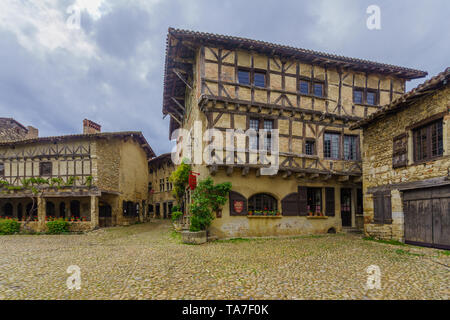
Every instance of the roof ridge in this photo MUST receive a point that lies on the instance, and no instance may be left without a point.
(308, 51)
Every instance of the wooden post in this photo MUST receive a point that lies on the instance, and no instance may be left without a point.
(94, 212)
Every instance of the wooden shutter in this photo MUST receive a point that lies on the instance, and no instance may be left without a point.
(289, 205)
(382, 207)
(400, 151)
(387, 207)
(329, 202)
(302, 201)
(235, 202)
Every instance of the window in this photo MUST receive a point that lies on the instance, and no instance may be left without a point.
(260, 79)
(350, 147)
(382, 207)
(45, 168)
(161, 185)
(244, 77)
(358, 96)
(365, 96)
(253, 143)
(371, 98)
(359, 202)
(2, 169)
(428, 141)
(150, 186)
(266, 125)
(261, 202)
(318, 89)
(314, 200)
(310, 148)
(167, 184)
(304, 87)
(331, 145)
(75, 208)
(256, 78)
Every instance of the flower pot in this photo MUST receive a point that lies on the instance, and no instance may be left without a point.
(194, 237)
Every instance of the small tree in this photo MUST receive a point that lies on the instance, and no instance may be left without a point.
(207, 199)
(180, 181)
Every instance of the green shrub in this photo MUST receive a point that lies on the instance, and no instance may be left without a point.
(58, 226)
(8, 226)
(207, 199)
(176, 215)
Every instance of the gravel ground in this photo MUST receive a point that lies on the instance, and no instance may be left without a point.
(148, 261)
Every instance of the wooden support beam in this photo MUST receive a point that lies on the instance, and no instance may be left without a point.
(343, 178)
(258, 172)
(229, 170)
(357, 179)
(300, 175)
(287, 174)
(178, 104)
(327, 177)
(182, 78)
(175, 118)
(314, 176)
(245, 171)
(213, 169)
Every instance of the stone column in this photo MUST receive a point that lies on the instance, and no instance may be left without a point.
(354, 203)
(94, 212)
(41, 213)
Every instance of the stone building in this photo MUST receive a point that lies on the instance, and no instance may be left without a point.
(99, 179)
(406, 166)
(12, 130)
(312, 98)
(161, 199)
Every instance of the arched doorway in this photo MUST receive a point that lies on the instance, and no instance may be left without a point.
(62, 210)
(105, 215)
(8, 210)
(75, 208)
(50, 209)
(28, 211)
(19, 211)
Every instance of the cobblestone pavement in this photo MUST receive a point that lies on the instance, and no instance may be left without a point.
(148, 261)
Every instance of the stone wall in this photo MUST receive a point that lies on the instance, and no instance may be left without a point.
(377, 160)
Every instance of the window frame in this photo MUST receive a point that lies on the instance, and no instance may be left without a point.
(364, 92)
(428, 128)
(356, 137)
(311, 82)
(338, 145)
(314, 191)
(314, 148)
(259, 197)
(251, 76)
(2, 169)
(43, 171)
(261, 122)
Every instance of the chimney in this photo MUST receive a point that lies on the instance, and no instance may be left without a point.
(90, 127)
(32, 133)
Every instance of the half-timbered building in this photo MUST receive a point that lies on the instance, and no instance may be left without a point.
(312, 98)
(161, 198)
(406, 166)
(93, 179)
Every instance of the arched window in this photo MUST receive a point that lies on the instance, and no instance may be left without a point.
(50, 209)
(262, 202)
(8, 210)
(75, 208)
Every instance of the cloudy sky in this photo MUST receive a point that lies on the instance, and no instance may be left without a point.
(111, 69)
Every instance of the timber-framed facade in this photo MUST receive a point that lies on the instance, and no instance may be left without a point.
(310, 97)
(94, 179)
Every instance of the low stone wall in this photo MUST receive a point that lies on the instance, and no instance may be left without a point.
(38, 226)
(194, 237)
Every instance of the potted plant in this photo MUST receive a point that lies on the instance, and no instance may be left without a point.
(250, 213)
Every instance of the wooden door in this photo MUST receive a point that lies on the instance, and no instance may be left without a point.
(346, 207)
(427, 217)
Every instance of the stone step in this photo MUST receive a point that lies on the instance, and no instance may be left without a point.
(353, 230)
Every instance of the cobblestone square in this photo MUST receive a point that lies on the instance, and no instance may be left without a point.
(148, 261)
